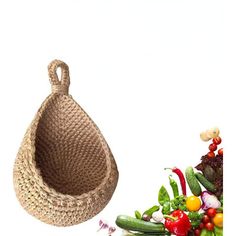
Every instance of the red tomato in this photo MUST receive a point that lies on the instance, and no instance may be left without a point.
(205, 219)
(201, 226)
(220, 152)
(217, 140)
(209, 226)
(211, 212)
(197, 232)
(211, 154)
(212, 147)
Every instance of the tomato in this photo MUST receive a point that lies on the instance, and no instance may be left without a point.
(209, 226)
(220, 152)
(212, 147)
(197, 232)
(211, 154)
(217, 140)
(201, 226)
(218, 220)
(211, 212)
(205, 219)
(193, 203)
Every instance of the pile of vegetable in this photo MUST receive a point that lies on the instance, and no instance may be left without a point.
(200, 214)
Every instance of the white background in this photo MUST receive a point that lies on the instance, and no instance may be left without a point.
(152, 75)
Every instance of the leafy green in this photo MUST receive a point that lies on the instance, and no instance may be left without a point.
(216, 164)
(179, 202)
(166, 209)
(221, 200)
(163, 196)
(195, 218)
(195, 215)
(195, 223)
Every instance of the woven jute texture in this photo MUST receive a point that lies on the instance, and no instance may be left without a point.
(64, 172)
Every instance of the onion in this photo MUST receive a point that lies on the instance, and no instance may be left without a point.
(209, 200)
(157, 216)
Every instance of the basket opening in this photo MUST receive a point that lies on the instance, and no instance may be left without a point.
(69, 153)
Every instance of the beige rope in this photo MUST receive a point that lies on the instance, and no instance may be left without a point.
(64, 173)
(59, 86)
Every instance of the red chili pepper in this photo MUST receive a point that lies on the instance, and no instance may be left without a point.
(177, 223)
(181, 178)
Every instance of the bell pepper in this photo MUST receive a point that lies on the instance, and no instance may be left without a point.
(177, 223)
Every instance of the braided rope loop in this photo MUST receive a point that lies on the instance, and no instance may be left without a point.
(59, 86)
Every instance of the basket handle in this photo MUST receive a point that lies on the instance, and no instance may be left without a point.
(59, 86)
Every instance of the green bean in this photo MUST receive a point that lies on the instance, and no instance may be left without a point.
(174, 187)
(138, 215)
(151, 210)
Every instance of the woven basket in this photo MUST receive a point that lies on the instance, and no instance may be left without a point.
(64, 172)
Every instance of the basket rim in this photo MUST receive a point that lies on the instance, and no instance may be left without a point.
(32, 162)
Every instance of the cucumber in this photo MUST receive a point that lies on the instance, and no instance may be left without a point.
(147, 234)
(207, 184)
(192, 181)
(151, 234)
(130, 223)
(209, 173)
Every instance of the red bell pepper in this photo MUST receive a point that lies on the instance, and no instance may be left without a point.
(177, 223)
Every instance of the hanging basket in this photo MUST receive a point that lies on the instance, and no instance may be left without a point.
(64, 172)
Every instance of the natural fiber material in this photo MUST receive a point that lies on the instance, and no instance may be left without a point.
(64, 172)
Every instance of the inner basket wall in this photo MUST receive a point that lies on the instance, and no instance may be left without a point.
(69, 152)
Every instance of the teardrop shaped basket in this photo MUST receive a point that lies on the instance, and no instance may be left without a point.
(64, 172)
